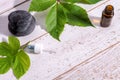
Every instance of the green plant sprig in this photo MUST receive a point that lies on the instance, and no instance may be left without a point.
(13, 56)
(62, 12)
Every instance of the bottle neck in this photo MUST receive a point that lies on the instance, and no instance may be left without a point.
(109, 10)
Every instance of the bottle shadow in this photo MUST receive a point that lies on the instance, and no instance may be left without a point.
(95, 20)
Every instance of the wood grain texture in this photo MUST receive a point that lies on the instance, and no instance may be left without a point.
(104, 67)
(79, 45)
(107, 37)
(7, 5)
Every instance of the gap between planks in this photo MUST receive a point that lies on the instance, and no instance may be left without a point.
(58, 77)
(13, 7)
(61, 76)
(102, 52)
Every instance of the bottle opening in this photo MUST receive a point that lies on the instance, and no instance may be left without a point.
(109, 10)
(109, 7)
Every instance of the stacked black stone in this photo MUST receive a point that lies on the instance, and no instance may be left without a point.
(21, 23)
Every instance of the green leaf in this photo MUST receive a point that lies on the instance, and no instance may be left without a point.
(5, 49)
(55, 21)
(14, 43)
(4, 65)
(72, 1)
(40, 5)
(59, 14)
(21, 64)
(76, 15)
(82, 1)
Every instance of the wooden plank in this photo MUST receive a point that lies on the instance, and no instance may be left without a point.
(73, 49)
(93, 6)
(98, 41)
(10, 4)
(76, 48)
(59, 56)
(6, 5)
(104, 67)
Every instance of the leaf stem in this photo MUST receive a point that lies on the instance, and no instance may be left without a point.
(58, 0)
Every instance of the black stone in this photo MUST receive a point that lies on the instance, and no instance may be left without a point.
(21, 23)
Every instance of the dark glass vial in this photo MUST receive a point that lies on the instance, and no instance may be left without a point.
(107, 16)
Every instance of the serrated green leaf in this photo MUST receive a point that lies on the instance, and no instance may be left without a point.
(40, 5)
(4, 65)
(5, 49)
(82, 1)
(76, 15)
(21, 64)
(14, 43)
(55, 21)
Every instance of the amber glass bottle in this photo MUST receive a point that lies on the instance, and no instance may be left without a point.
(107, 16)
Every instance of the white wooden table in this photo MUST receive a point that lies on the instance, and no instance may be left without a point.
(85, 54)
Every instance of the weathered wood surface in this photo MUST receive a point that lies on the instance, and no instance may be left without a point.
(105, 66)
(63, 60)
(99, 42)
(6, 5)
